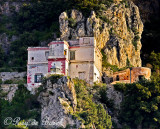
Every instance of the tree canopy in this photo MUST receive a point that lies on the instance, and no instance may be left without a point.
(141, 104)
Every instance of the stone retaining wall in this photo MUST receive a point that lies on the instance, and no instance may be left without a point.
(12, 75)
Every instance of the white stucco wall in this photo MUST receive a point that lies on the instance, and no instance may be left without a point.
(66, 47)
(37, 64)
(32, 70)
(87, 41)
(38, 53)
(67, 68)
(86, 57)
(97, 75)
(97, 63)
(58, 57)
(86, 64)
(57, 49)
(83, 53)
(86, 68)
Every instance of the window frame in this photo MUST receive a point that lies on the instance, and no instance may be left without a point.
(36, 80)
(71, 58)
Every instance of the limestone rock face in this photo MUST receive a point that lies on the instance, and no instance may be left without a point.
(112, 94)
(116, 97)
(117, 30)
(8, 91)
(56, 102)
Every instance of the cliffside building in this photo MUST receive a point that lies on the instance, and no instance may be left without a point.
(79, 58)
(131, 75)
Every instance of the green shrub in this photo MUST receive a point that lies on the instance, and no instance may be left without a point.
(104, 99)
(154, 59)
(125, 2)
(135, 40)
(2, 57)
(53, 78)
(3, 94)
(8, 82)
(72, 22)
(140, 105)
(23, 105)
(105, 19)
(64, 104)
(1, 81)
(87, 110)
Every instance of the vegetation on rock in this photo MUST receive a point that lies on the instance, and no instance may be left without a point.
(140, 107)
(92, 114)
(23, 105)
(36, 23)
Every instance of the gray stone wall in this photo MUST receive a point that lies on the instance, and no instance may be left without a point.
(12, 75)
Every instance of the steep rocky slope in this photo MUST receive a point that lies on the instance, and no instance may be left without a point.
(72, 104)
(117, 31)
(56, 101)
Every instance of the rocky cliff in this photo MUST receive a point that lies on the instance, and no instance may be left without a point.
(117, 30)
(58, 100)
(8, 91)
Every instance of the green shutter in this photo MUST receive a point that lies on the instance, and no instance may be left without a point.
(35, 78)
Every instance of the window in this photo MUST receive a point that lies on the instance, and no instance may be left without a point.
(72, 55)
(38, 78)
(32, 58)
